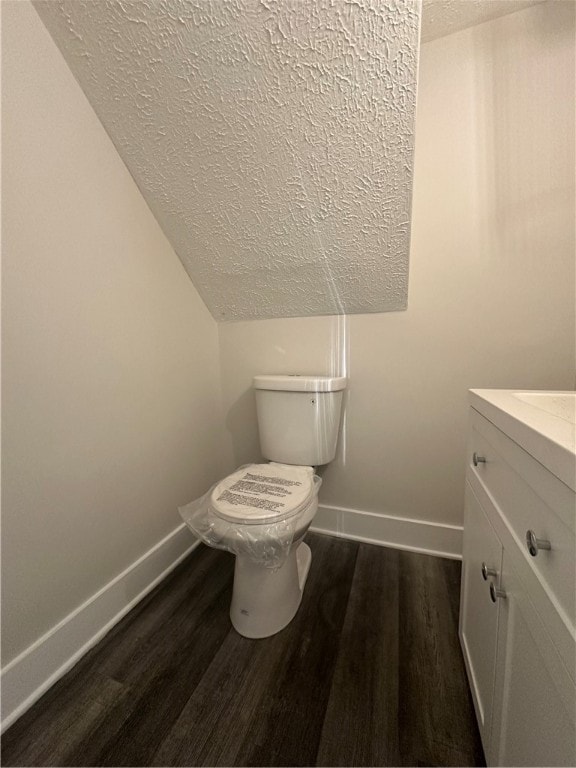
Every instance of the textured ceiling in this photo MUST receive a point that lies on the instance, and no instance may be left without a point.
(273, 140)
(443, 17)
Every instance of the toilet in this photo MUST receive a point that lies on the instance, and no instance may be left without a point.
(261, 512)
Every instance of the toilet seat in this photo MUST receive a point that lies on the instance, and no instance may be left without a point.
(260, 494)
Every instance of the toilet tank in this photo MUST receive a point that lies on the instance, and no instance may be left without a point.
(299, 417)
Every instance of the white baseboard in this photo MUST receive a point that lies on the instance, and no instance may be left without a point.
(388, 531)
(37, 668)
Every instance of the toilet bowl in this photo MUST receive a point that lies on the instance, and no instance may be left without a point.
(261, 512)
(266, 599)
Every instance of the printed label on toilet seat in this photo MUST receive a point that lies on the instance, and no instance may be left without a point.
(254, 487)
(248, 501)
(254, 492)
(278, 480)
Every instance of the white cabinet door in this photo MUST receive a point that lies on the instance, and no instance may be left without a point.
(478, 614)
(534, 717)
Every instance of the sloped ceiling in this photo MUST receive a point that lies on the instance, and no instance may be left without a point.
(273, 140)
(443, 17)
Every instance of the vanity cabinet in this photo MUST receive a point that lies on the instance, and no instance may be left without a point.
(517, 609)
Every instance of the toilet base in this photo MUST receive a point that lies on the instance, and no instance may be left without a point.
(265, 601)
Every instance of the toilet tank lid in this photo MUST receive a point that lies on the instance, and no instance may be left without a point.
(289, 383)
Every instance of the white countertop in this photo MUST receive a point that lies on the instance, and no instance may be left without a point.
(542, 423)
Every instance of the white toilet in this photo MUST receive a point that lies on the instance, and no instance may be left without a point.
(261, 512)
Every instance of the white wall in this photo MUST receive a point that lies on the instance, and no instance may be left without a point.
(491, 300)
(111, 402)
(111, 399)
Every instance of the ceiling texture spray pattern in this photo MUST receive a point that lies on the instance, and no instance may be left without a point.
(273, 140)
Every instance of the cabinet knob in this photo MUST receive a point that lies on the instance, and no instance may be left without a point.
(496, 593)
(488, 572)
(478, 459)
(534, 544)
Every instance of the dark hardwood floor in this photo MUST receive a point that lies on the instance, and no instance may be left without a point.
(369, 673)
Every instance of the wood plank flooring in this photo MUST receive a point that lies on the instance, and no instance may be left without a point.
(369, 673)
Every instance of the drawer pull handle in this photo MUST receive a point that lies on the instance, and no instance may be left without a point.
(535, 545)
(496, 593)
(478, 459)
(486, 572)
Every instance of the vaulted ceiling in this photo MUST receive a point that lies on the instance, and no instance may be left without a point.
(272, 139)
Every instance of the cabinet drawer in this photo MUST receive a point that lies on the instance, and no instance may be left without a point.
(510, 475)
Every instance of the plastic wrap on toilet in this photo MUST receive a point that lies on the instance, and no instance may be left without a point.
(265, 543)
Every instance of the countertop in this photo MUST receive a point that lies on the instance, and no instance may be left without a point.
(549, 438)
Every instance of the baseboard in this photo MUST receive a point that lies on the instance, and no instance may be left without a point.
(37, 668)
(388, 531)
